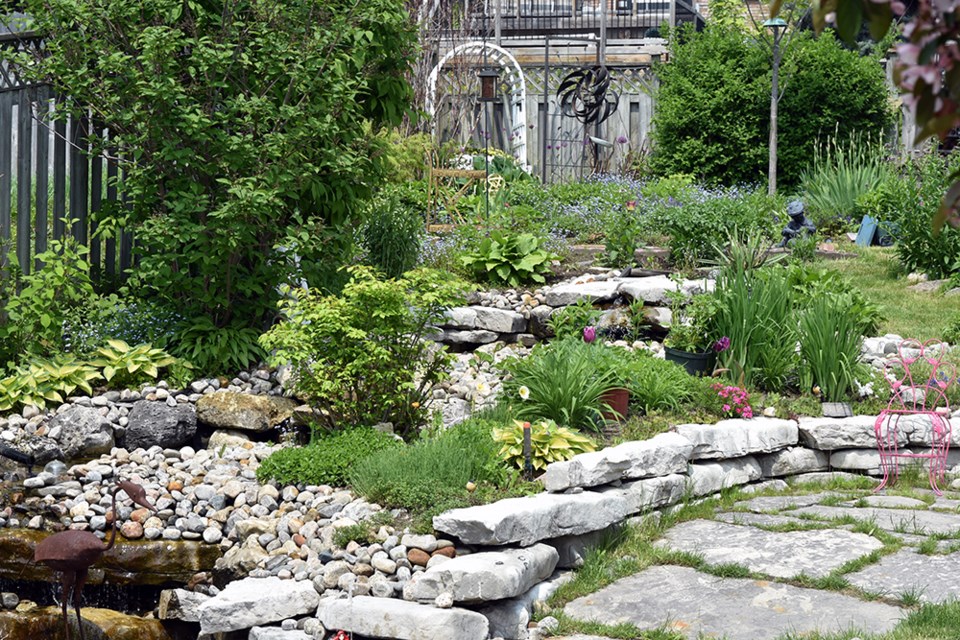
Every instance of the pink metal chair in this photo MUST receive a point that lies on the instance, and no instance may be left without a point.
(918, 379)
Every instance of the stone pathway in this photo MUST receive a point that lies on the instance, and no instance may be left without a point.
(781, 538)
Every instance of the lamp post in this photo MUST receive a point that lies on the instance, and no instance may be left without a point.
(779, 26)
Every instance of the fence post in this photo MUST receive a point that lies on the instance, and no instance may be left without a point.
(6, 172)
(24, 153)
(43, 168)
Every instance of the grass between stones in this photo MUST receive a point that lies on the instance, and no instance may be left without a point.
(632, 549)
(929, 622)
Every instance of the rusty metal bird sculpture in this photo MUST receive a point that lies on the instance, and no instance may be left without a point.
(72, 552)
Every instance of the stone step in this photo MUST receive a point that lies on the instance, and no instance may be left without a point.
(699, 605)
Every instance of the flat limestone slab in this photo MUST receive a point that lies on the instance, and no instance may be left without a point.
(484, 576)
(661, 455)
(402, 620)
(738, 437)
(758, 519)
(896, 520)
(594, 291)
(530, 519)
(894, 502)
(695, 603)
(766, 504)
(932, 578)
(782, 555)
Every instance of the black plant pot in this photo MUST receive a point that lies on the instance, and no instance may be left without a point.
(696, 364)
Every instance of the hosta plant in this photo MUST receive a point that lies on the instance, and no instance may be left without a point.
(42, 381)
(548, 443)
(123, 365)
(509, 259)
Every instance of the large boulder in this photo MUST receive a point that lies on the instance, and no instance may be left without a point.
(257, 601)
(81, 431)
(244, 411)
(158, 424)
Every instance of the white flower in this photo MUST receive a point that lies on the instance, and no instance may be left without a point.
(865, 390)
(483, 389)
(524, 393)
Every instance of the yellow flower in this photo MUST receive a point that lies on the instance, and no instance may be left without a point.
(524, 393)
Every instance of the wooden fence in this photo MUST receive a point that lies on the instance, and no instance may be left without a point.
(51, 184)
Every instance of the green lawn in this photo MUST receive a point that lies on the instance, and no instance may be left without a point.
(911, 314)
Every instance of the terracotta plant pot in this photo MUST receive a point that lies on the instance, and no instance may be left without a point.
(696, 364)
(618, 401)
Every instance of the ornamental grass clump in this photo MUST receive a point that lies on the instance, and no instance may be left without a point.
(830, 341)
(565, 383)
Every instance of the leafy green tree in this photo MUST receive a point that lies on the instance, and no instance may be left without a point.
(713, 106)
(244, 128)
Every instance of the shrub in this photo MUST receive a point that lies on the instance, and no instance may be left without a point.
(548, 443)
(251, 124)
(362, 356)
(809, 284)
(33, 307)
(713, 104)
(328, 459)
(918, 247)
(391, 235)
(694, 224)
(952, 333)
(509, 259)
(564, 381)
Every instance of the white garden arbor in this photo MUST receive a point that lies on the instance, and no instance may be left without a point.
(479, 53)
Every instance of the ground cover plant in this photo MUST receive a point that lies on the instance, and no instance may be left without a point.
(329, 458)
(455, 467)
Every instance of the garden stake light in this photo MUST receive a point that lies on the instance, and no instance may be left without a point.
(527, 461)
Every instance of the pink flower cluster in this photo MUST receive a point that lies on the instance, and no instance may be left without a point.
(736, 401)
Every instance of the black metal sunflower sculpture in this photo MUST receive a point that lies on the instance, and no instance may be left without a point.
(585, 95)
